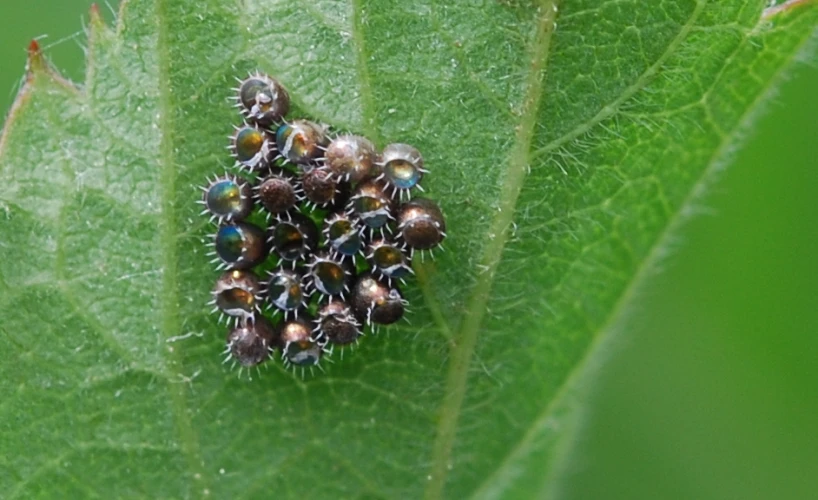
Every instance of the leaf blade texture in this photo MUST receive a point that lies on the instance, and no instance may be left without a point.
(566, 143)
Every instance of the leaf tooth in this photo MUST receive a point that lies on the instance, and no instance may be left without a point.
(36, 60)
(96, 17)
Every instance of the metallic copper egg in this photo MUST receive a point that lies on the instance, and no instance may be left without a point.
(251, 342)
(351, 158)
(300, 348)
(277, 192)
(237, 294)
(421, 224)
(320, 187)
(337, 324)
(374, 301)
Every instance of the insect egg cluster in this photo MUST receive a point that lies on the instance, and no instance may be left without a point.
(316, 232)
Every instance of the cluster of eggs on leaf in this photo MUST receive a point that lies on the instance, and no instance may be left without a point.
(316, 232)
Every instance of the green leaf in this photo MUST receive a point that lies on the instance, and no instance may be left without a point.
(565, 157)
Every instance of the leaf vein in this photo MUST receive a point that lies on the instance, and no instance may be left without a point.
(466, 338)
(655, 254)
(369, 128)
(170, 321)
(611, 109)
(364, 80)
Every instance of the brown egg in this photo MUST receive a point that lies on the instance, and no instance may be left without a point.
(421, 224)
(251, 342)
(351, 158)
(375, 301)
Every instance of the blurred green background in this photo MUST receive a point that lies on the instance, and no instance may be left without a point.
(713, 394)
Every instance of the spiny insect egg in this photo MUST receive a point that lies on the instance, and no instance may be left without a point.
(421, 224)
(227, 198)
(337, 324)
(374, 301)
(402, 167)
(371, 205)
(237, 294)
(294, 238)
(388, 260)
(277, 193)
(343, 235)
(263, 100)
(251, 342)
(240, 245)
(320, 187)
(286, 292)
(301, 141)
(329, 276)
(300, 348)
(351, 157)
(250, 147)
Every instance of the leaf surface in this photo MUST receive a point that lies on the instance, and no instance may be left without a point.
(565, 148)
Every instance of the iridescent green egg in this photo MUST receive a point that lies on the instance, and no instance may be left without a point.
(300, 141)
(288, 241)
(285, 290)
(240, 245)
(228, 198)
(401, 174)
(250, 147)
(230, 243)
(402, 166)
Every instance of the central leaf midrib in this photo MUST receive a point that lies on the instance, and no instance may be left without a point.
(362, 71)
(171, 324)
(466, 337)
